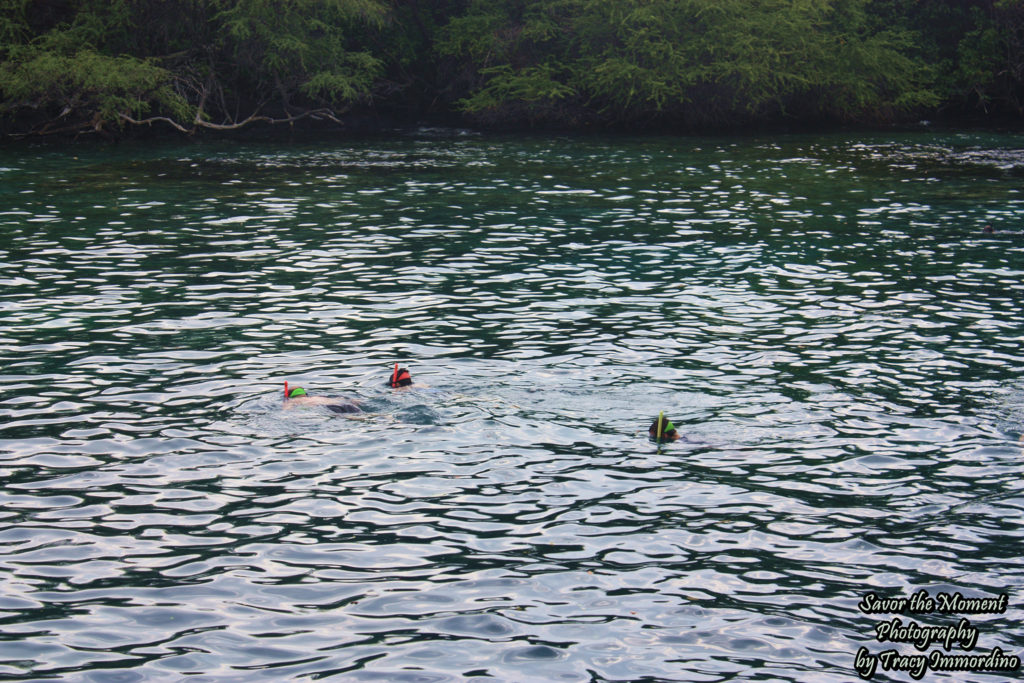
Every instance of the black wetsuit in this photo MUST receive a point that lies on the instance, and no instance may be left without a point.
(343, 408)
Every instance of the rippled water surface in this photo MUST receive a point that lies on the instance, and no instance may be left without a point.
(821, 316)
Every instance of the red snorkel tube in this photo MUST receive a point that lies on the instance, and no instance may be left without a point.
(394, 376)
(286, 389)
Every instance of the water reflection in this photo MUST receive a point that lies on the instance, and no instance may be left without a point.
(821, 316)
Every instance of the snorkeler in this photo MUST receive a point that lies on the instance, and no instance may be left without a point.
(662, 429)
(298, 398)
(400, 377)
(989, 230)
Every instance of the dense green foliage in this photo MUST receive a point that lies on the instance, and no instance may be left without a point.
(693, 61)
(104, 65)
(187, 63)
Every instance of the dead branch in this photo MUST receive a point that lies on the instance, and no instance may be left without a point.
(254, 118)
(156, 119)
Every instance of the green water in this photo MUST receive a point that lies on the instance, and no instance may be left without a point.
(821, 316)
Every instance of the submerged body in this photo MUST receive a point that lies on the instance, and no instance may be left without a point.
(335, 405)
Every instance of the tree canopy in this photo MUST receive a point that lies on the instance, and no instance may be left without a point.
(111, 65)
(221, 64)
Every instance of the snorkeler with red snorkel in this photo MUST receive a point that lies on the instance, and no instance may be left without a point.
(400, 377)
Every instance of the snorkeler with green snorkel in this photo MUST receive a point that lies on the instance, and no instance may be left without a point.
(298, 398)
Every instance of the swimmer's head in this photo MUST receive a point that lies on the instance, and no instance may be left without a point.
(297, 391)
(988, 230)
(400, 377)
(662, 429)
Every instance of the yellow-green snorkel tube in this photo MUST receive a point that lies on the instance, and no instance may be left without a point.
(658, 432)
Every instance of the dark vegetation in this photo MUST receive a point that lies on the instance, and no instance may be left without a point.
(112, 66)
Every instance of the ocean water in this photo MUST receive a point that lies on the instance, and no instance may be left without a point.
(821, 316)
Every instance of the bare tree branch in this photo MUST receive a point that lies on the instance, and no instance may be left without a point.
(156, 119)
(254, 118)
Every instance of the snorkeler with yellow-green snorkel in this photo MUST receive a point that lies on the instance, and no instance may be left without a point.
(662, 429)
